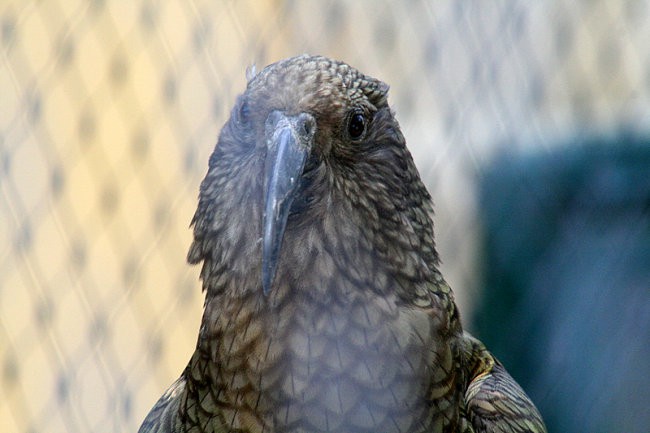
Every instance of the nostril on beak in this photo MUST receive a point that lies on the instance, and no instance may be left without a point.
(303, 125)
(273, 119)
(306, 125)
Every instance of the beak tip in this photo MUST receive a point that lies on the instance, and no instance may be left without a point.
(266, 282)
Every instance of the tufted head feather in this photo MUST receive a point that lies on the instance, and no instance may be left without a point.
(358, 185)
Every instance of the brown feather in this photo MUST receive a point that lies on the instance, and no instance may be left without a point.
(359, 332)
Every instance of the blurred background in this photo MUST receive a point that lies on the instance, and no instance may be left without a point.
(529, 122)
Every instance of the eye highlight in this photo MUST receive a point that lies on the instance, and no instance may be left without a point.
(356, 126)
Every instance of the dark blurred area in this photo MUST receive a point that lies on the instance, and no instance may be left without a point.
(566, 299)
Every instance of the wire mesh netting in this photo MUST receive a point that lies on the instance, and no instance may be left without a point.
(110, 109)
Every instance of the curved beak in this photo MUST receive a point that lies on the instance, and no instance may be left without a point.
(289, 141)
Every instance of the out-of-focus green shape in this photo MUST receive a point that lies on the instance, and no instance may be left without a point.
(566, 289)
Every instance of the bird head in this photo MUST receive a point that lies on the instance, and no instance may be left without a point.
(310, 139)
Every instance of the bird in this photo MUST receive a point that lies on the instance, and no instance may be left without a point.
(325, 307)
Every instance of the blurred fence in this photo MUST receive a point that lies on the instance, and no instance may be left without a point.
(109, 110)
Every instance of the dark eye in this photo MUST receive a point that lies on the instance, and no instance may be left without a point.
(244, 112)
(356, 126)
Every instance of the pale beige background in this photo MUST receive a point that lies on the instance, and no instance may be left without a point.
(110, 109)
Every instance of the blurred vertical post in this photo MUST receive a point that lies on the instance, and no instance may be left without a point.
(566, 299)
